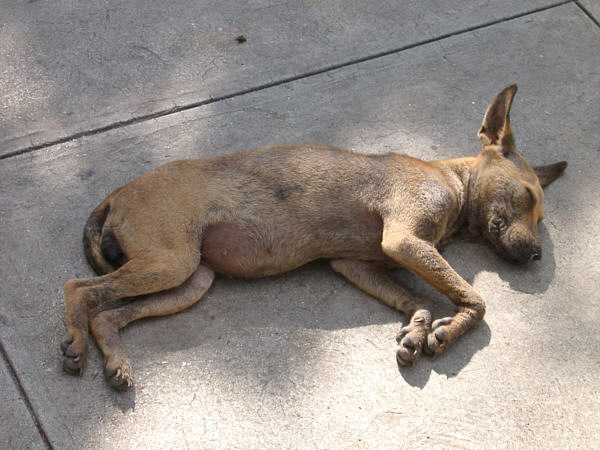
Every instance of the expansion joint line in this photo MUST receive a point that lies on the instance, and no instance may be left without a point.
(587, 13)
(25, 397)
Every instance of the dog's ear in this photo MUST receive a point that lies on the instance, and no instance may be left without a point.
(547, 174)
(496, 121)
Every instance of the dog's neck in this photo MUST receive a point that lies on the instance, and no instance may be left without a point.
(459, 174)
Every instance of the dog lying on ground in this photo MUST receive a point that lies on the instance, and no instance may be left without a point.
(162, 237)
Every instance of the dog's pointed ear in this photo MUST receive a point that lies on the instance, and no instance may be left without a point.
(496, 121)
(547, 174)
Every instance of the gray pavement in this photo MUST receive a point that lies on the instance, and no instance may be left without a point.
(71, 67)
(303, 360)
(17, 429)
(592, 7)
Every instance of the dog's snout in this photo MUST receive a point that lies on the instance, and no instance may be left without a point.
(536, 252)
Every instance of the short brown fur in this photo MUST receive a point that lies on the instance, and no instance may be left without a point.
(162, 237)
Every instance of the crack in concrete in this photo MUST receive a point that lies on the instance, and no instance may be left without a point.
(177, 109)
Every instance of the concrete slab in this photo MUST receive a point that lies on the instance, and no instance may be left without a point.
(68, 67)
(17, 430)
(593, 7)
(305, 360)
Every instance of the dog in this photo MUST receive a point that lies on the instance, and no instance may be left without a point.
(162, 238)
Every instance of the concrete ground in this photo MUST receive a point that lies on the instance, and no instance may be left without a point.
(96, 93)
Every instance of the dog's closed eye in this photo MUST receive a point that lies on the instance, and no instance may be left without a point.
(532, 200)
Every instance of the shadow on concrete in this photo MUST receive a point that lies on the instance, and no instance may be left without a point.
(125, 400)
(533, 278)
(450, 363)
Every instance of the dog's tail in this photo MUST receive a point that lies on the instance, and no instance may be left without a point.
(101, 248)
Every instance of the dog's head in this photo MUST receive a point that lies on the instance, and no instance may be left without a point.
(506, 192)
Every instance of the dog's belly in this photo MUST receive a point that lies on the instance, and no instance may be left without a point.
(237, 252)
(250, 250)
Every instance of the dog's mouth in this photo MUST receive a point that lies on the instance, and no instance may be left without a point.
(518, 253)
(500, 250)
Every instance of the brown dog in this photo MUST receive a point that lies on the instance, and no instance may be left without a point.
(163, 236)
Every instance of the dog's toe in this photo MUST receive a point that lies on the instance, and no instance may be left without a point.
(438, 339)
(410, 341)
(74, 355)
(74, 366)
(119, 375)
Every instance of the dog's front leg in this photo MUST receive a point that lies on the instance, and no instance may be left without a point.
(423, 259)
(377, 281)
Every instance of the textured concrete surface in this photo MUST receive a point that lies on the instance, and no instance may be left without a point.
(305, 360)
(592, 7)
(17, 429)
(68, 67)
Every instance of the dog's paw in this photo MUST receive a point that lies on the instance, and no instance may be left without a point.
(119, 374)
(411, 340)
(74, 355)
(439, 338)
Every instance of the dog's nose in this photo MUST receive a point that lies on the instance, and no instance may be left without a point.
(536, 252)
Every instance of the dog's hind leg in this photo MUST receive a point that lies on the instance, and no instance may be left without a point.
(105, 325)
(378, 282)
(143, 275)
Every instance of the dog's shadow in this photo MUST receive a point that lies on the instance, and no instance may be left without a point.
(470, 259)
(451, 362)
(230, 319)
